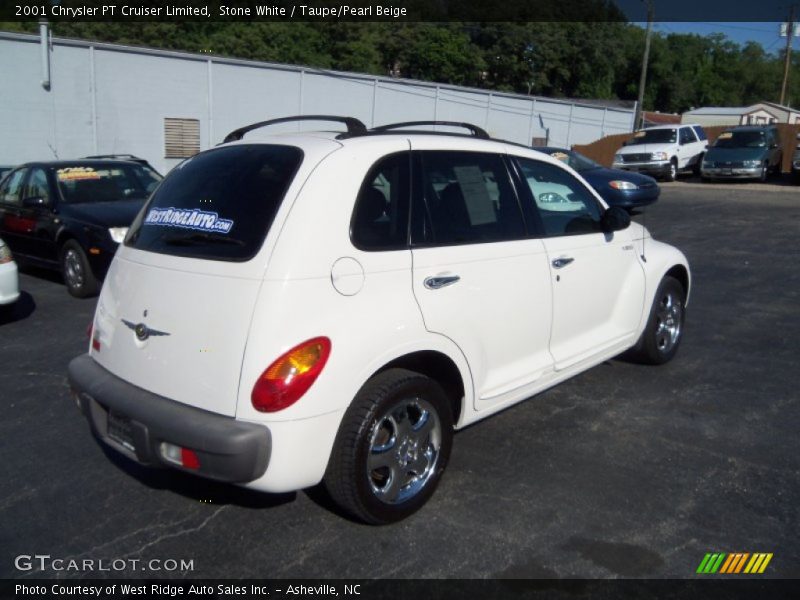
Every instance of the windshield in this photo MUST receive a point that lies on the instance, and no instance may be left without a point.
(579, 162)
(218, 204)
(98, 182)
(654, 136)
(741, 139)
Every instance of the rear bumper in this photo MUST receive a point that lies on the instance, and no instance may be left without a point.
(227, 449)
(9, 283)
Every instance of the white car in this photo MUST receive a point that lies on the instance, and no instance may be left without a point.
(9, 277)
(663, 151)
(331, 307)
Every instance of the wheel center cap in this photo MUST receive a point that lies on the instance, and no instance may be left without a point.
(407, 451)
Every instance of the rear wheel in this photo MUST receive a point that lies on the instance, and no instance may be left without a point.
(76, 271)
(662, 335)
(392, 447)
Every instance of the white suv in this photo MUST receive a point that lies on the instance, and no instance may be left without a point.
(330, 307)
(663, 151)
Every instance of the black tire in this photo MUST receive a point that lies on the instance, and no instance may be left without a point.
(672, 174)
(660, 340)
(378, 408)
(76, 271)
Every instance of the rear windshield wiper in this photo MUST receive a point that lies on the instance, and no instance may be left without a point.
(186, 239)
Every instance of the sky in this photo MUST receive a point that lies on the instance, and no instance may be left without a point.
(766, 34)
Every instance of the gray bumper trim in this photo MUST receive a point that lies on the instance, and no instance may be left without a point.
(228, 450)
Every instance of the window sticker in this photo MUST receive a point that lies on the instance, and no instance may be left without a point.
(725, 135)
(188, 219)
(76, 173)
(639, 134)
(479, 203)
(560, 156)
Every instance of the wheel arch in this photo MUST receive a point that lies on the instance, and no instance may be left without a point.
(681, 273)
(439, 367)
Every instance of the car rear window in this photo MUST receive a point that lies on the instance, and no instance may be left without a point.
(217, 205)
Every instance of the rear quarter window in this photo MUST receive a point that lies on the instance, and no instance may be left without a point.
(219, 204)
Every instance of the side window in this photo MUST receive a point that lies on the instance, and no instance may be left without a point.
(687, 136)
(10, 191)
(37, 186)
(701, 134)
(380, 218)
(565, 206)
(465, 197)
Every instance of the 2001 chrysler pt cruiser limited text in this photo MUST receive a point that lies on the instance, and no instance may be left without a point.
(330, 307)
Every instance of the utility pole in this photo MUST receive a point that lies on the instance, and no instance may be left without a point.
(637, 121)
(787, 58)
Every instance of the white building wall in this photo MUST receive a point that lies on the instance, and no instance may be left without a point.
(107, 99)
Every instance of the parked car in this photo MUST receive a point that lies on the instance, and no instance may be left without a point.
(796, 163)
(9, 279)
(72, 215)
(663, 151)
(618, 188)
(745, 152)
(330, 307)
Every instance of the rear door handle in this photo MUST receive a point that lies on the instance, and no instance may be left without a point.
(562, 262)
(434, 283)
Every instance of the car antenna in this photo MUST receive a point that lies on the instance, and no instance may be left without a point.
(53, 150)
(644, 234)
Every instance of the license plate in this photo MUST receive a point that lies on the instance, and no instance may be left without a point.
(727, 171)
(120, 430)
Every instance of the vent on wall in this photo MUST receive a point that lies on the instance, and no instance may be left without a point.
(181, 137)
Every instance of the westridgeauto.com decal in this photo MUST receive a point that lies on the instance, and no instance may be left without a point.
(188, 219)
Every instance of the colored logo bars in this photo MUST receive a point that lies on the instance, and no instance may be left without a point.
(720, 562)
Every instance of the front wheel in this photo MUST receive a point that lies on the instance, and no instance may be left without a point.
(392, 447)
(764, 173)
(662, 335)
(76, 271)
(672, 174)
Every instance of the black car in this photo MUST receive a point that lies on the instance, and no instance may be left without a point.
(72, 215)
(618, 188)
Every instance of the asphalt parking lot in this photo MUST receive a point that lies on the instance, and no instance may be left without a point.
(624, 471)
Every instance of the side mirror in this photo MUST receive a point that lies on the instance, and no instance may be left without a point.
(615, 219)
(34, 202)
(625, 143)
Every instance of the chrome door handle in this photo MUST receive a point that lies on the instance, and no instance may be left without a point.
(559, 263)
(434, 283)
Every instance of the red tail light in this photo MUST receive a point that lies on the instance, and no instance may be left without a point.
(286, 380)
(95, 340)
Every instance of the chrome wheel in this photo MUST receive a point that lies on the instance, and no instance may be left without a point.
(673, 171)
(403, 450)
(669, 319)
(73, 269)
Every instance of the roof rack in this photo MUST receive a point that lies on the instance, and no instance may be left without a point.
(354, 126)
(474, 129)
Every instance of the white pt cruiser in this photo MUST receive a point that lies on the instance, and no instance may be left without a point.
(330, 307)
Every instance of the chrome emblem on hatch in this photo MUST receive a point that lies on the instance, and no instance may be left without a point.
(142, 331)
